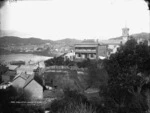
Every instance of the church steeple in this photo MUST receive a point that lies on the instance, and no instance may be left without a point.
(125, 34)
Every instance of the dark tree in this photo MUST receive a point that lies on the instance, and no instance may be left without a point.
(3, 69)
(148, 2)
(128, 71)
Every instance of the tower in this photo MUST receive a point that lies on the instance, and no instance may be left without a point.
(125, 34)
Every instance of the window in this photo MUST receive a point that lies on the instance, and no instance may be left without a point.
(79, 55)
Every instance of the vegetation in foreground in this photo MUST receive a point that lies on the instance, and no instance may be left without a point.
(125, 90)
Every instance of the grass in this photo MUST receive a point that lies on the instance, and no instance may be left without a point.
(81, 108)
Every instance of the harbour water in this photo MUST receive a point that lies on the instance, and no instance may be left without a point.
(5, 59)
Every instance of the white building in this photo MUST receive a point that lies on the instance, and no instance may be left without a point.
(69, 56)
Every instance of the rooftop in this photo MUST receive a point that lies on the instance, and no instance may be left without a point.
(33, 77)
(111, 42)
(22, 75)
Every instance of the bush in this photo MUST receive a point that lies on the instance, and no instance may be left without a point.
(59, 61)
(71, 100)
(81, 108)
(84, 63)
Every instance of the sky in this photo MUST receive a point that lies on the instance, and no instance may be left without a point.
(78, 19)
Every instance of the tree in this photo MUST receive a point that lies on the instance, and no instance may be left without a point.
(71, 100)
(128, 70)
(97, 75)
(148, 2)
(3, 69)
(54, 61)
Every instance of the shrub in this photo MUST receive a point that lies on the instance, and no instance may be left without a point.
(81, 108)
(70, 100)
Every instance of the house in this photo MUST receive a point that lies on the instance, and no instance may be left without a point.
(69, 55)
(90, 50)
(5, 85)
(19, 80)
(30, 84)
(33, 87)
(8, 76)
(114, 44)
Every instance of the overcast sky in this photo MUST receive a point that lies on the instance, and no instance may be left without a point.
(79, 19)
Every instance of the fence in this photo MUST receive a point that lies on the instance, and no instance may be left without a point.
(65, 68)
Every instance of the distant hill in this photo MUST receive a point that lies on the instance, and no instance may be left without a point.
(135, 36)
(68, 41)
(66, 44)
(13, 40)
(7, 40)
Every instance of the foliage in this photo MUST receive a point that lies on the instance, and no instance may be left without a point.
(6, 95)
(97, 75)
(148, 2)
(127, 69)
(12, 95)
(70, 100)
(84, 64)
(58, 61)
(3, 69)
(26, 109)
(81, 108)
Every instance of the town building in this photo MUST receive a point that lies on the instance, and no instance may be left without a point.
(69, 56)
(33, 87)
(114, 44)
(125, 35)
(100, 49)
(30, 84)
(90, 50)
(19, 80)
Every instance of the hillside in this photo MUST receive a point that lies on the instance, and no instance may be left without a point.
(68, 41)
(9, 40)
(13, 44)
(135, 36)
(13, 40)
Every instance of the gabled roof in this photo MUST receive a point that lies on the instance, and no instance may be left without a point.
(22, 75)
(89, 44)
(111, 42)
(30, 78)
